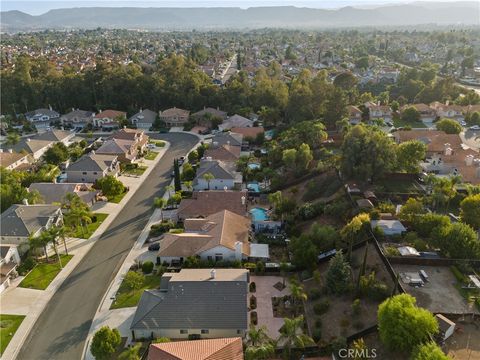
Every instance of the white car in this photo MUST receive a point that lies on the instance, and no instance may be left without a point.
(463, 123)
(475, 127)
(151, 146)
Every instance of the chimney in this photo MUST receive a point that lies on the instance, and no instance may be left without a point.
(238, 250)
(124, 126)
(212, 274)
(25, 202)
(469, 160)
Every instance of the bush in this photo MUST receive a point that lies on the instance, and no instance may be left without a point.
(26, 265)
(317, 334)
(321, 307)
(253, 302)
(252, 287)
(260, 268)
(147, 267)
(253, 318)
(161, 228)
(250, 266)
(314, 294)
(391, 251)
(458, 274)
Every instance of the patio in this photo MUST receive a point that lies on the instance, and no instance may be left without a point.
(264, 293)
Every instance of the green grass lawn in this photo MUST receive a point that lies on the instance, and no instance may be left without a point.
(8, 326)
(135, 171)
(87, 231)
(117, 198)
(127, 298)
(151, 155)
(158, 143)
(400, 123)
(42, 274)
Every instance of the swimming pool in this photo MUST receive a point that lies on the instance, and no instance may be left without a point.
(259, 214)
(253, 166)
(253, 187)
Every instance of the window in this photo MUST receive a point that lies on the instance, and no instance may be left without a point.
(205, 331)
(183, 331)
(95, 173)
(218, 257)
(84, 173)
(239, 332)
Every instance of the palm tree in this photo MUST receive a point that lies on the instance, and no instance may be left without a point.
(291, 336)
(79, 217)
(188, 185)
(259, 344)
(208, 177)
(298, 295)
(60, 232)
(42, 241)
(12, 138)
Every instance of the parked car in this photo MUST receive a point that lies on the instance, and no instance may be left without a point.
(154, 247)
(151, 146)
(475, 127)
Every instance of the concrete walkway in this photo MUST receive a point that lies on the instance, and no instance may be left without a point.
(31, 302)
(122, 318)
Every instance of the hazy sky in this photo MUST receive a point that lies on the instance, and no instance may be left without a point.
(40, 7)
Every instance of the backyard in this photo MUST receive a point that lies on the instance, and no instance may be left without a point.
(126, 297)
(43, 273)
(8, 326)
(331, 316)
(86, 231)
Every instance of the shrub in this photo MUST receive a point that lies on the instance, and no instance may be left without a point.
(391, 251)
(26, 265)
(458, 274)
(253, 318)
(252, 287)
(317, 334)
(161, 228)
(253, 302)
(314, 294)
(250, 266)
(321, 307)
(147, 267)
(260, 269)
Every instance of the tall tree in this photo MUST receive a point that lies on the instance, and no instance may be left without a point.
(291, 336)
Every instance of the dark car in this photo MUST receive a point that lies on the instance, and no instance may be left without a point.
(154, 247)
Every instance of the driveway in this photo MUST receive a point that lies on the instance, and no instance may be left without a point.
(61, 330)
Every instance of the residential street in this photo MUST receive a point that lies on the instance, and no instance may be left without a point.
(62, 329)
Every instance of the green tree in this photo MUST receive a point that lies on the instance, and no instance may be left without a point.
(411, 209)
(409, 154)
(470, 210)
(304, 253)
(304, 157)
(449, 126)
(428, 351)
(291, 336)
(110, 186)
(357, 230)
(105, 342)
(459, 241)
(188, 172)
(411, 115)
(345, 80)
(472, 118)
(339, 277)
(208, 177)
(176, 178)
(56, 154)
(259, 344)
(402, 325)
(131, 353)
(298, 296)
(12, 138)
(289, 158)
(134, 280)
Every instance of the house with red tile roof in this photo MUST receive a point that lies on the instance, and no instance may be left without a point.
(207, 349)
(174, 116)
(109, 119)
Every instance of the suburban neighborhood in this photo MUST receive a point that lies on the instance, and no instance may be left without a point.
(299, 194)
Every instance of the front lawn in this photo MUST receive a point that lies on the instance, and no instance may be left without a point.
(151, 155)
(8, 326)
(117, 198)
(158, 143)
(129, 298)
(43, 274)
(136, 171)
(87, 231)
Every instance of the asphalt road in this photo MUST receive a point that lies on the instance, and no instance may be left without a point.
(61, 330)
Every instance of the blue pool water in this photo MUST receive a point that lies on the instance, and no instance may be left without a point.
(253, 166)
(259, 214)
(253, 187)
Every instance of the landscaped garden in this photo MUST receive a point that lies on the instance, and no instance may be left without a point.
(43, 273)
(8, 326)
(134, 169)
(158, 143)
(133, 285)
(151, 155)
(84, 232)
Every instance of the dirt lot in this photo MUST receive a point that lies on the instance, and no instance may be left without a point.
(339, 319)
(440, 293)
(464, 344)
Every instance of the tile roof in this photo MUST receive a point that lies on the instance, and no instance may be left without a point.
(175, 112)
(236, 121)
(205, 349)
(223, 152)
(192, 299)
(214, 112)
(115, 146)
(434, 139)
(110, 114)
(56, 192)
(9, 158)
(144, 116)
(206, 203)
(92, 162)
(228, 138)
(250, 132)
(223, 228)
(23, 220)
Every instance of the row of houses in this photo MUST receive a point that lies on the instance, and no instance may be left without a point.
(109, 119)
(428, 113)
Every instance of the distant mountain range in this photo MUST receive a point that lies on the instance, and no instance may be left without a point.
(418, 13)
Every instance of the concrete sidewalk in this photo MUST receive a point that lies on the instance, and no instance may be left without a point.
(107, 317)
(31, 302)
